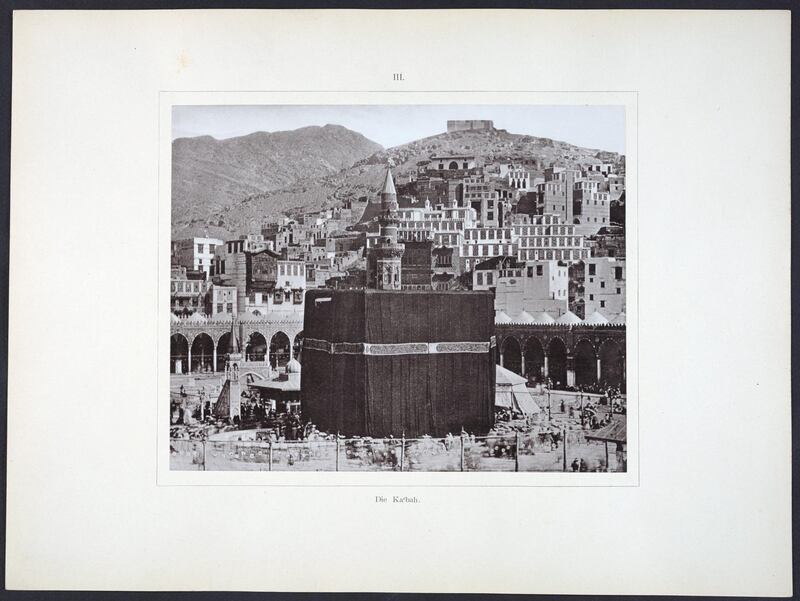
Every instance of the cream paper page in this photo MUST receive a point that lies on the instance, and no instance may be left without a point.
(707, 508)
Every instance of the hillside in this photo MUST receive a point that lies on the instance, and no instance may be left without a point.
(364, 176)
(213, 177)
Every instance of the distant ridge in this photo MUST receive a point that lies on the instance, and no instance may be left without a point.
(329, 175)
(211, 177)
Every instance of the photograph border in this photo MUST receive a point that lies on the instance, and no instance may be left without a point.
(169, 98)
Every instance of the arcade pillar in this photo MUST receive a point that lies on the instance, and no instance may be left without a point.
(570, 370)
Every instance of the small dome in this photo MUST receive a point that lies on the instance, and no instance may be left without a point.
(293, 367)
(569, 317)
(501, 317)
(596, 318)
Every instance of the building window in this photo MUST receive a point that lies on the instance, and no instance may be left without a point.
(230, 307)
(618, 291)
(592, 268)
(480, 279)
(602, 304)
(219, 307)
(618, 273)
(591, 297)
(489, 279)
(602, 284)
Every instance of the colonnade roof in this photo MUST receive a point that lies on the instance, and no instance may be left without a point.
(568, 318)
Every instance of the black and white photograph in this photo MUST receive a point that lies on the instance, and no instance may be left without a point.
(407, 288)
(318, 277)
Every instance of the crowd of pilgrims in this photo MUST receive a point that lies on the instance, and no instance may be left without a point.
(289, 425)
(255, 412)
(601, 388)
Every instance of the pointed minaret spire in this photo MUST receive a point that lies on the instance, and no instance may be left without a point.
(388, 184)
(234, 346)
(389, 193)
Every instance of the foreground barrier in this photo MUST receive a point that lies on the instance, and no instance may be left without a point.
(512, 451)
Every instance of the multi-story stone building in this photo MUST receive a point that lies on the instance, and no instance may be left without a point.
(262, 279)
(480, 194)
(591, 206)
(446, 266)
(486, 273)
(483, 243)
(273, 285)
(449, 166)
(417, 265)
(556, 193)
(608, 242)
(435, 189)
(548, 237)
(444, 225)
(196, 253)
(604, 168)
(616, 186)
(537, 287)
(221, 301)
(187, 290)
(604, 287)
(519, 178)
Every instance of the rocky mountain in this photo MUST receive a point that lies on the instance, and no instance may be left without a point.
(323, 188)
(211, 178)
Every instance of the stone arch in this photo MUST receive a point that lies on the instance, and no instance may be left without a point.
(297, 346)
(585, 363)
(202, 353)
(511, 355)
(256, 347)
(557, 362)
(251, 375)
(178, 354)
(612, 363)
(534, 358)
(223, 344)
(452, 165)
(279, 349)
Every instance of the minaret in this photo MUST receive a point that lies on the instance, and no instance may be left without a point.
(234, 359)
(229, 402)
(389, 193)
(388, 252)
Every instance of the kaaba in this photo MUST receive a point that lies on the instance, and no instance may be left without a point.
(393, 363)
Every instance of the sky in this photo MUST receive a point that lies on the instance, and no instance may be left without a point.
(599, 127)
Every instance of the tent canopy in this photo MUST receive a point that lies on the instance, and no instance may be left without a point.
(511, 392)
(506, 377)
